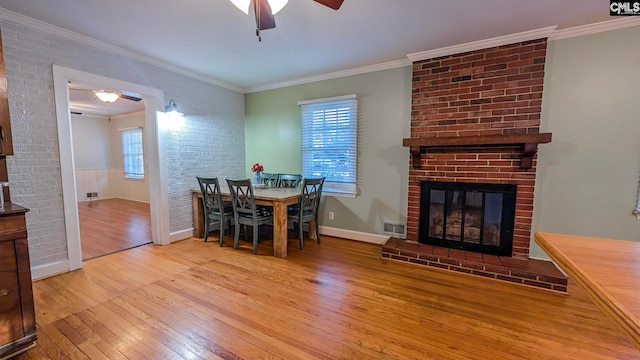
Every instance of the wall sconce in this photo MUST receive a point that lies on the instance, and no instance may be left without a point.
(172, 109)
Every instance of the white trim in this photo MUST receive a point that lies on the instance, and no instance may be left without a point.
(334, 98)
(482, 44)
(595, 28)
(154, 148)
(332, 75)
(354, 235)
(68, 34)
(181, 235)
(345, 194)
(47, 270)
(131, 128)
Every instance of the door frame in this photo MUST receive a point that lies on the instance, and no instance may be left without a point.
(154, 149)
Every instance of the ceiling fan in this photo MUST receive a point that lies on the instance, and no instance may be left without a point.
(264, 14)
(108, 96)
(101, 102)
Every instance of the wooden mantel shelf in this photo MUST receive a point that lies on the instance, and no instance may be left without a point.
(529, 143)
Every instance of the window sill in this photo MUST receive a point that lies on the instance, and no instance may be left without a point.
(335, 192)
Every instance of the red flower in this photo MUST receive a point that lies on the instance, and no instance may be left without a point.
(257, 168)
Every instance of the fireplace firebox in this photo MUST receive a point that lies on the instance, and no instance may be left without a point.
(469, 216)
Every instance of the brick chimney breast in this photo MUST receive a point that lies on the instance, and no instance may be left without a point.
(494, 91)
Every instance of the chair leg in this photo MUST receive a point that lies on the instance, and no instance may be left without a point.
(317, 232)
(236, 236)
(255, 239)
(222, 225)
(206, 227)
(301, 235)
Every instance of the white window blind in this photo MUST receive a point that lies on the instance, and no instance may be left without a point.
(133, 154)
(329, 141)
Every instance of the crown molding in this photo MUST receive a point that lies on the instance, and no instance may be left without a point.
(333, 75)
(482, 44)
(68, 34)
(595, 28)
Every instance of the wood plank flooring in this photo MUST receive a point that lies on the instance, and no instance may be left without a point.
(336, 300)
(112, 225)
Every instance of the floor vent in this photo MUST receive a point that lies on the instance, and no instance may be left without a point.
(394, 228)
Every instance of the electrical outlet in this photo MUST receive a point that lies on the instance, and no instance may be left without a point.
(331, 215)
(95, 194)
(89, 195)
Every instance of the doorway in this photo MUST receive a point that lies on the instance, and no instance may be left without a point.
(112, 179)
(154, 148)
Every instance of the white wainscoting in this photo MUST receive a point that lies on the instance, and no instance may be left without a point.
(137, 190)
(93, 180)
(110, 183)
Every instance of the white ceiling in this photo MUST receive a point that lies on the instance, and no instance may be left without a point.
(83, 101)
(215, 40)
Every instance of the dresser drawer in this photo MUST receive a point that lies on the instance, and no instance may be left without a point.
(13, 223)
(11, 326)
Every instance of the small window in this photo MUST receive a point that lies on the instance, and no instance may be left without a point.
(329, 142)
(133, 154)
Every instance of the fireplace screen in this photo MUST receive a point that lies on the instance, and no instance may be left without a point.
(469, 216)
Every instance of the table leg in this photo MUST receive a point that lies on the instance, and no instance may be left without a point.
(198, 223)
(279, 229)
(312, 230)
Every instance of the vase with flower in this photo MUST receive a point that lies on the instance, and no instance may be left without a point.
(257, 169)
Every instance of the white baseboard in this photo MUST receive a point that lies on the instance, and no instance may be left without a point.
(354, 235)
(47, 270)
(180, 235)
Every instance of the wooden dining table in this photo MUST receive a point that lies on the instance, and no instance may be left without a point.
(607, 270)
(277, 197)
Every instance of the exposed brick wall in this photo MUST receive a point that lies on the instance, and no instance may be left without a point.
(210, 142)
(485, 92)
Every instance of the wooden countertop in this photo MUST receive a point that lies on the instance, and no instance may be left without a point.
(608, 270)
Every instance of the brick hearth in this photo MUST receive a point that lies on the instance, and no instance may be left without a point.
(492, 92)
(531, 272)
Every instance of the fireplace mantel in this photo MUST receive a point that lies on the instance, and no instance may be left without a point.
(529, 143)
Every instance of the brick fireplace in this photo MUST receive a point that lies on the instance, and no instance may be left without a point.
(475, 118)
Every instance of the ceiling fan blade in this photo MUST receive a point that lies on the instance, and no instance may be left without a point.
(264, 16)
(129, 97)
(334, 4)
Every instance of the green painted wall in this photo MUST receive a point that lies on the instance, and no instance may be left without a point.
(587, 179)
(272, 130)
(588, 176)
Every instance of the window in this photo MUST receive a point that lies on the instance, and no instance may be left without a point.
(329, 140)
(132, 153)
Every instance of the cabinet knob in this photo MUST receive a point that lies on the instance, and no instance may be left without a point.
(4, 292)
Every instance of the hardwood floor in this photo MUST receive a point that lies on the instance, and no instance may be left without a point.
(336, 300)
(112, 225)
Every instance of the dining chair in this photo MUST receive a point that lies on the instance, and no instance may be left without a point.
(307, 208)
(246, 212)
(289, 180)
(270, 180)
(213, 208)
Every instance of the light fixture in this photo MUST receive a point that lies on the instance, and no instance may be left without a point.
(172, 108)
(107, 96)
(276, 5)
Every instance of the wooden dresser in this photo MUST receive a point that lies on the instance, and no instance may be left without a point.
(17, 313)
